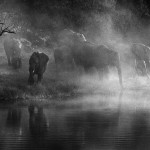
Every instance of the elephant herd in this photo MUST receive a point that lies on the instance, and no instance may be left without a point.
(37, 62)
(76, 51)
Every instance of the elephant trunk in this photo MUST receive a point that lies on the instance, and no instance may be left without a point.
(120, 76)
(118, 66)
(31, 74)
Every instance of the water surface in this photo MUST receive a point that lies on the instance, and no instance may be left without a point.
(119, 121)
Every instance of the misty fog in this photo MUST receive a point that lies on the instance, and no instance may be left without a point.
(46, 26)
(94, 93)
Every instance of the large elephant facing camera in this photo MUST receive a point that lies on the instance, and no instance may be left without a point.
(12, 48)
(37, 66)
(141, 55)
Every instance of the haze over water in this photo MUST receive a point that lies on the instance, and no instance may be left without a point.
(107, 121)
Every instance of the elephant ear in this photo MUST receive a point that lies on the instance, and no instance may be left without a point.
(43, 59)
(34, 59)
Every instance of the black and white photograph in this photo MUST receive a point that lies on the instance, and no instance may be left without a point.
(74, 75)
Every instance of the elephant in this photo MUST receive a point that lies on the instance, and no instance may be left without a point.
(80, 52)
(12, 48)
(90, 55)
(37, 65)
(67, 38)
(141, 55)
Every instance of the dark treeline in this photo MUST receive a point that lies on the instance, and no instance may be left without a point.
(137, 6)
(80, 15)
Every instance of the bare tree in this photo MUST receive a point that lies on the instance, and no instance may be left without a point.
(4, 28)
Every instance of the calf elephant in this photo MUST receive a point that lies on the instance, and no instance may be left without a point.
(141, 55)
(89, 55)
(13, 52)
(37, 65)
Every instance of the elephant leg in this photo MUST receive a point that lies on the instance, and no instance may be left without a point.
(136, 67)
(117, 65)
(146, 66)
(120, 76)
(139, 67)
(40, 76)
(16, 63)
(132, 66)
(115, 62)
(31, 80)
(103, 72)
(9, 60)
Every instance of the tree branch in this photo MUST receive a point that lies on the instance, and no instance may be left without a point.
(6, 29)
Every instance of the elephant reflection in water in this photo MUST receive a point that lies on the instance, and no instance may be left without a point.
(14, 118)
(13, 129)
(37, 123)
